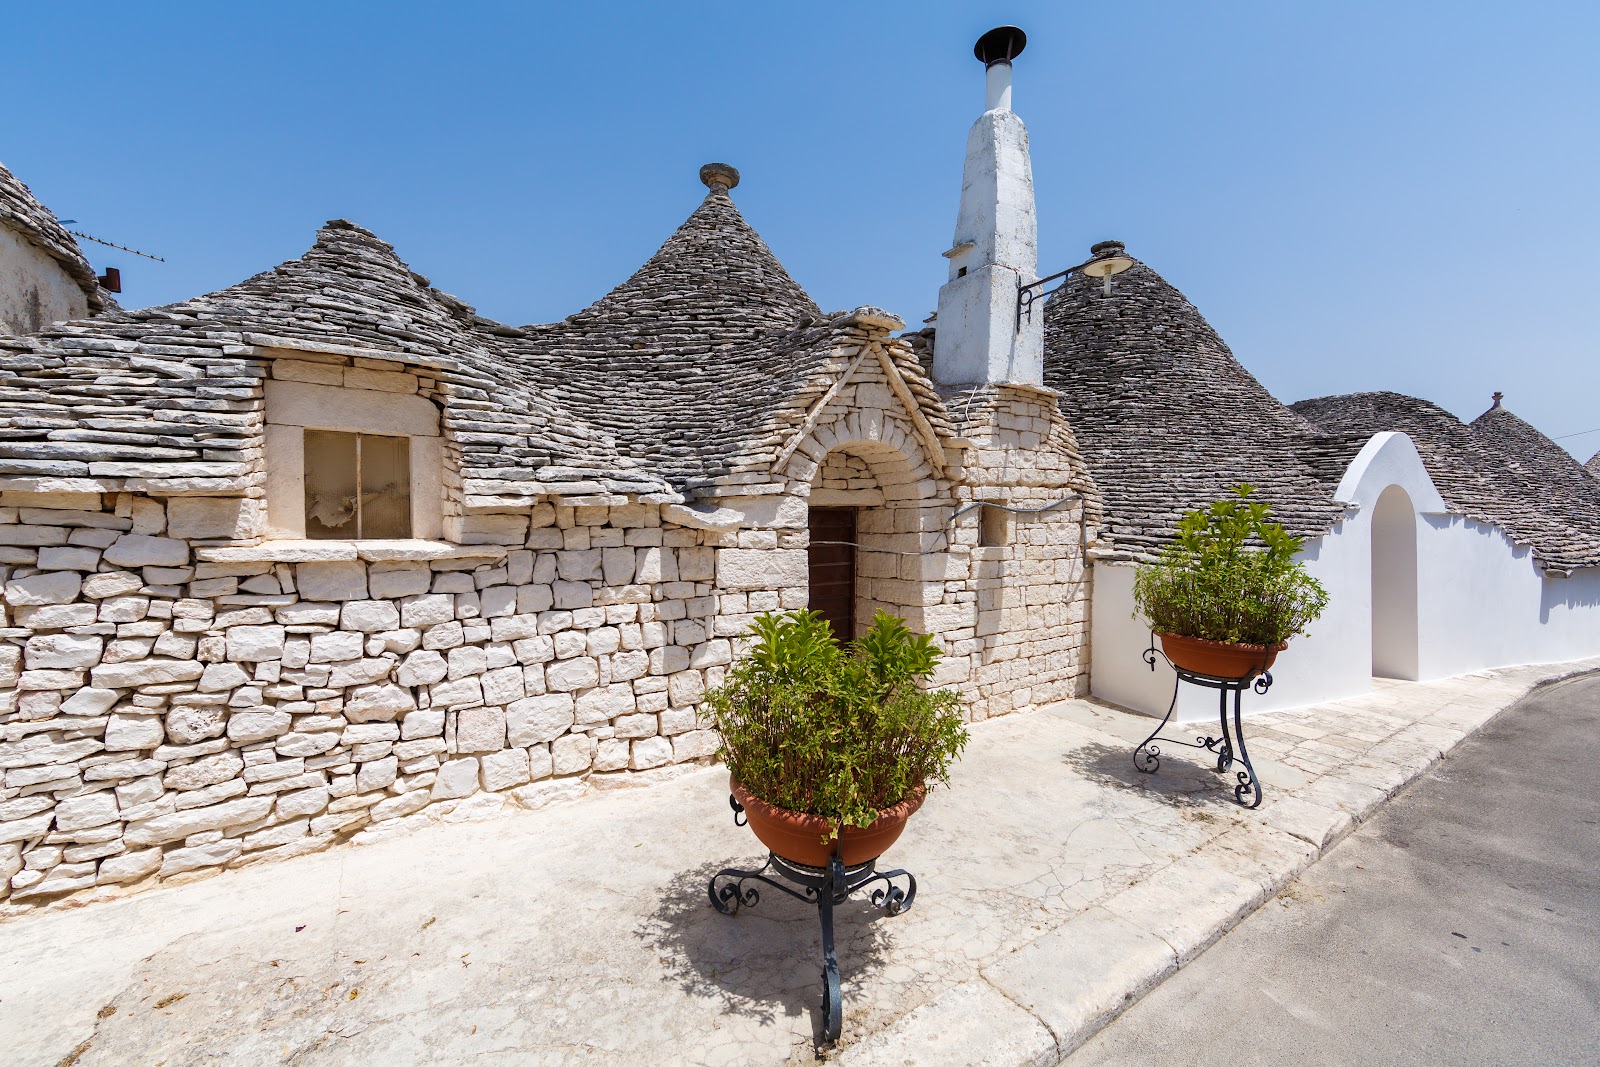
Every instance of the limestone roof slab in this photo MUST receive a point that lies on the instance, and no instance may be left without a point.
(22, 211)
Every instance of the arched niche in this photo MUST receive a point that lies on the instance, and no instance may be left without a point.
(1394, 585)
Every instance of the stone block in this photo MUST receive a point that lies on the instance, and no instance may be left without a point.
(459, 693)
(129, 867)
(86, 812)
(376, 774)
(572, 753)
(573, 674)
(360, 672)
(247, 726)
(456, 778)
(187, 725)
(334, 580)
(740, 568)
(130, 733)
(336, 647)
(221, 677)
(610, 754)
(190, 859)
(370, 616)
(251, 644)
(301, 745)
(503, 770)
(142, 550)
(686, 687)
(206, 771)
(604, 703)
(391, 581)
(650, 752)
(503, 685)
(145, 672)
(51, 587)
(180, 824)
(69, 559)
(538, 719)
(481, 730)
(313, 801)
(423, 667)
(374, 703)
(417, 724)
(63, 650)
(210, 518)
(635, 726)
(695, 744)
(89, 701)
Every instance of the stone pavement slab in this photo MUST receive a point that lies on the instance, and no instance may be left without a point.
(1055, 886)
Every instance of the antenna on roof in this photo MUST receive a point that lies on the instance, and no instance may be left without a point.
(108, 244)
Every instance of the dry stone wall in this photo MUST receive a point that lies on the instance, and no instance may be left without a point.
(169, 707)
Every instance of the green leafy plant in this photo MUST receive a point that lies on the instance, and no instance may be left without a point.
(837, 732)
(1230, 575)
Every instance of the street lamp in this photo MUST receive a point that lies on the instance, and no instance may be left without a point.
(1106, 260)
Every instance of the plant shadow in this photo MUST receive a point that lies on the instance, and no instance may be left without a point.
(765, 962)
(1186, 778)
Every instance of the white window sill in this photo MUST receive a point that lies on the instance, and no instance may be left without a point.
(317, 551)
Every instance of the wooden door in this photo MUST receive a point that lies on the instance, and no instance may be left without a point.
(833, 568)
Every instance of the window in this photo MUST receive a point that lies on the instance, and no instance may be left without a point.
(358, 485)
(992, 527)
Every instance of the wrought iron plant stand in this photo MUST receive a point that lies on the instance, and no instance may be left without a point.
(1230, 747)
(822, 887)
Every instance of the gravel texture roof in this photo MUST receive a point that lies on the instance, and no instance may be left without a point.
(1168, 420)
(1484, 473)
(20, 210)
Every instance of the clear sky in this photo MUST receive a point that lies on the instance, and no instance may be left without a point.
(1362, 194)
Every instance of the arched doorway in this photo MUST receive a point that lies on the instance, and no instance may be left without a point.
(1394, 585)
(872, 540)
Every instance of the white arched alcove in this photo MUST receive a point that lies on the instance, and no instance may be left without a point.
(1394, 585)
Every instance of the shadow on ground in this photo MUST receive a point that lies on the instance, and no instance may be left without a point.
(1186, 778)
(765, 961)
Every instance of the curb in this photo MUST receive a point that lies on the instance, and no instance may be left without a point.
(1039, 1005)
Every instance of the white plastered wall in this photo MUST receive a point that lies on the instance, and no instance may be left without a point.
(1482, 602)
(292, 407)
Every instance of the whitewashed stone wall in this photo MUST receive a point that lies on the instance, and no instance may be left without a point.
(170, 708)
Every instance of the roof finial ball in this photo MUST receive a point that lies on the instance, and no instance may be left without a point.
(997, 49)
(719, 177)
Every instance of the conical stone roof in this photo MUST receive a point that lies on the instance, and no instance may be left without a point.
(690, 359)
(22, 211)
(1167, 419)
(1593, 466)
(1471, 472)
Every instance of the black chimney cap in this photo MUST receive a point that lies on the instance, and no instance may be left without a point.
(1000, 45)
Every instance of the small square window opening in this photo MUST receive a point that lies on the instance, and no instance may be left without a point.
(358, 486)
(993, 527)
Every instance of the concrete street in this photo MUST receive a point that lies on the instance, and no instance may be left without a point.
(1056, 886)
(1460, 926)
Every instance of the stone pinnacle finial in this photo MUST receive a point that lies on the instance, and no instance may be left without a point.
(1107, 248)
(719, 177)
(1498, 396)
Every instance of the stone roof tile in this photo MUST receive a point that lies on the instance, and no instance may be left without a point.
(20, 209)
(1168, 420)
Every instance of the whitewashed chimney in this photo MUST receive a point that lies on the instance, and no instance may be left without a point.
(996, 243)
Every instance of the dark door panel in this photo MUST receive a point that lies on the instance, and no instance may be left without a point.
(833, 568)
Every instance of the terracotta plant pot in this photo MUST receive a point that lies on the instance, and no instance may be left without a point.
(1217, 658)
(805, 839)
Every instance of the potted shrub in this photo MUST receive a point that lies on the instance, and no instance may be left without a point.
(1227, 594)
(834, 748)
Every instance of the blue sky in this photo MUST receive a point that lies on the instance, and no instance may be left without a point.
(1358, 195)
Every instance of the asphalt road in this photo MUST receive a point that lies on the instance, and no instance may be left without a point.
(1461, 925)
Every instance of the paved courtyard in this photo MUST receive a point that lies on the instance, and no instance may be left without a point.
(1056, 885)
